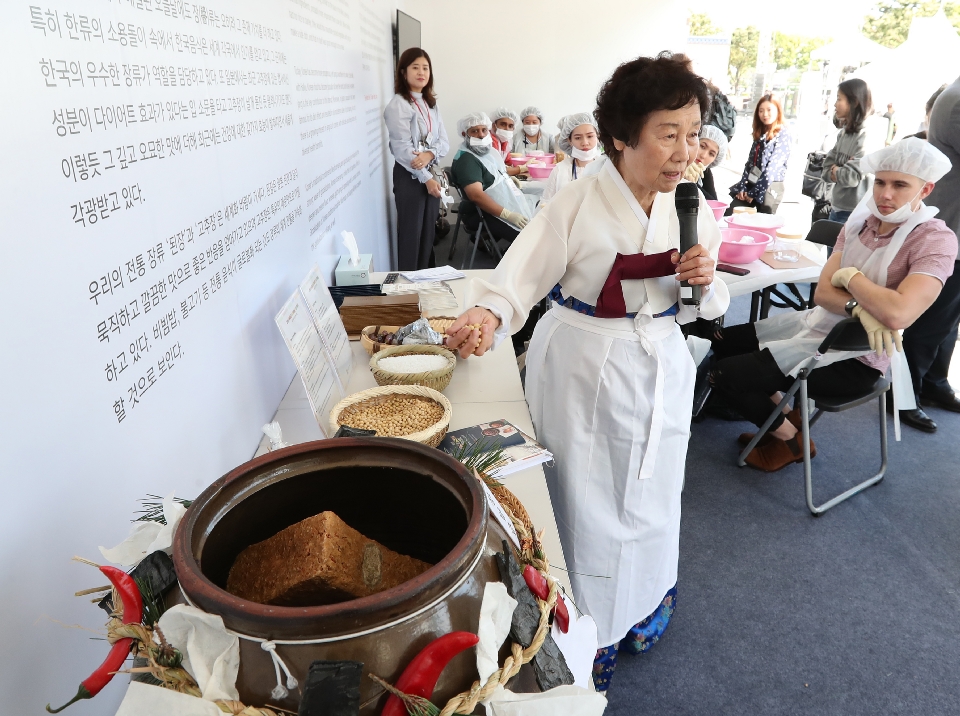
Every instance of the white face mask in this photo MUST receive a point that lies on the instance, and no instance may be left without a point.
(531, 129)
(895, 217)
(505, 134)
(478, 142)
(584, 155)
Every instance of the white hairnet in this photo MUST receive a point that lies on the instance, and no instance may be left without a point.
(568, 124)
(531, 110)
(501, 112)
(909, 156)
(716, 135)
(474, 119)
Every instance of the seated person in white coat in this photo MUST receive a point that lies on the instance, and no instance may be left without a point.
(609, 376)
(485, 183)
(578, 140)
(890, 262)
(532, 136)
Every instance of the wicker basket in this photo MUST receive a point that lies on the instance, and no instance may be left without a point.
(431, 436)
(367, 334)
(436, 379)
(439, 324)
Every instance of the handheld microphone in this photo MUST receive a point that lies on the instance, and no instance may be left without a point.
(687, 199)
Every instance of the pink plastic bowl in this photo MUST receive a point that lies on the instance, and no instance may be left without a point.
(733, 252)
(550, 158)
(764, 223)
(518, 161)
(540, 172)
(718, 208)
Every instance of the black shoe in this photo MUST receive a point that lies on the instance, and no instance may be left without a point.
(918, 419)
(941, 399)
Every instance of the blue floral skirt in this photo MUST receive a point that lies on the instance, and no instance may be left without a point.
(639, 639)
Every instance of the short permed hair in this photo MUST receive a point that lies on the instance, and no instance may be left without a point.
(643, 86)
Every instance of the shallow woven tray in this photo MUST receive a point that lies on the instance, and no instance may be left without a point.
(430, 436)
(440, 324)
(437, 379)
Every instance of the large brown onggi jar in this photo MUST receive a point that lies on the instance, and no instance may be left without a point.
(411, 498)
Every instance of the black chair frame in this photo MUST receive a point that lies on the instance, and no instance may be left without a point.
(847, 335)
(489, 241)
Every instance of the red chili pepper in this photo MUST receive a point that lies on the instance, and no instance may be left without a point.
(132, 614)
(420, 676)
(538, 585)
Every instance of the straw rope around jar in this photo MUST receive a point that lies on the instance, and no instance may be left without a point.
(531, 552)
(437, 379)
(429, 436)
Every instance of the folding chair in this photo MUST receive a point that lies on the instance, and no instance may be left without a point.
(847, 335)
(488, 239)
(821, 232)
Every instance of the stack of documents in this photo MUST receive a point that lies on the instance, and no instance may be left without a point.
(440, 273)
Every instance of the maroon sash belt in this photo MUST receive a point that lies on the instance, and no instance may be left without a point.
(610, 302)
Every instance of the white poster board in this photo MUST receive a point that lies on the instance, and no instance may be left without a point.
(312, 358)
(329, 324)
(171, 169)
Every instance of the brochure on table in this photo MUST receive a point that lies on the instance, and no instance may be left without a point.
(309, 353)
(327, 320)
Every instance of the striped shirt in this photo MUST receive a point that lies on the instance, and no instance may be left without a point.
(930, 249)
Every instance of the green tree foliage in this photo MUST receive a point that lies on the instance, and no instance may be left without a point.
(890, 20)
(793, 51)
(743, 55)
(699, 24)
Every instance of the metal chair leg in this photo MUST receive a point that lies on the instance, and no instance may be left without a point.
(808, 472)
(456, 235)
(476, 243)
(754, 306)
(742, 459)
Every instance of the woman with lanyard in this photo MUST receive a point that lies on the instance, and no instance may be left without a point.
(418, 141)
(577, 139)
(532, 138)
(890, 262)
(609, 376)
(761, 185)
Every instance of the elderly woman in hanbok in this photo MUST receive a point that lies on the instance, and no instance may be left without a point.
(609, 377)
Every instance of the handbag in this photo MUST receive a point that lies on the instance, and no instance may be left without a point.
(813, 185)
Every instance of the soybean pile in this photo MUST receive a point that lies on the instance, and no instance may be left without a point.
(393, 415)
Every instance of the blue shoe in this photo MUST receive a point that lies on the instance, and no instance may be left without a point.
(603, 667)
(645, 634)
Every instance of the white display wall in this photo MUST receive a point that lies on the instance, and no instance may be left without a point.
(171, 171)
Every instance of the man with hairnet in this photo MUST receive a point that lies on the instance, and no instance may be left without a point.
(890, 262)
(929, 343)
(577, 139)
(504, 129)
(485, 183)
(532, 137)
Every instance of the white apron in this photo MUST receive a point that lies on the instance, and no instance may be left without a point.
(503, 190)
(793, 338)
(618, 430)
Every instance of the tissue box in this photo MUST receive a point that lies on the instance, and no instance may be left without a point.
(348, 275)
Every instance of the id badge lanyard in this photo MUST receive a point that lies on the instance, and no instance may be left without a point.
(426, 123)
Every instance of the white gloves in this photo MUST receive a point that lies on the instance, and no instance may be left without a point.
(842, 276)
(694, 172)
(882, 339)
(514, 218)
